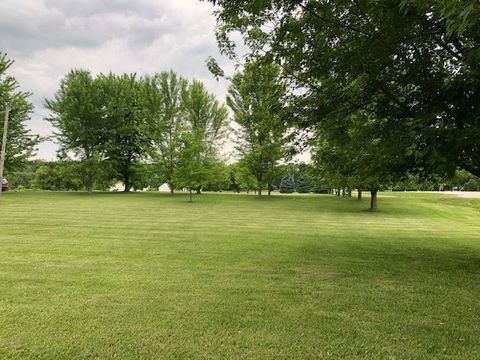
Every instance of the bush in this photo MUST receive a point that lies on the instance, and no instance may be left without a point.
(20, 188)
(58, 176)
(472, 185)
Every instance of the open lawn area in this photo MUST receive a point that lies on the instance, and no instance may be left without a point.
(149, 275)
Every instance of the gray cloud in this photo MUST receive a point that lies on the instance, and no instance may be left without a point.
(47, 38)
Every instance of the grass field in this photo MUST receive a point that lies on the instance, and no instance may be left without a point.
(232, 277)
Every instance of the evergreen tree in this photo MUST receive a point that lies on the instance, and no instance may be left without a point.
(287, 186)
(302, 185)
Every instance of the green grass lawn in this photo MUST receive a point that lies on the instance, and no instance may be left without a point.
(232, 277)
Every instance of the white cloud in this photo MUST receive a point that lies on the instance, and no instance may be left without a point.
(47, 38)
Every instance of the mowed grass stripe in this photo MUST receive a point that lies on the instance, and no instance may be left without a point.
(231, 276)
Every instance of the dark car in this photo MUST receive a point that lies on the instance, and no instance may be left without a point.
(4, 185)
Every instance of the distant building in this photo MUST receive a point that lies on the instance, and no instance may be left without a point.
(120, 187)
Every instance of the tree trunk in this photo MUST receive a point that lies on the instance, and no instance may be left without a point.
(199, 190)
(373, 200)
(89, 184)
(343, 192)
(190, 196)
(359, 197)
(259, 191)
(126, 182)
(269, 189)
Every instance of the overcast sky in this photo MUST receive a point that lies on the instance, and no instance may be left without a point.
(47, 38)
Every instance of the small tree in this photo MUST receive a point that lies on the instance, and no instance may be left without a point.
(287, 186)
(58, 176)
(302, 185)
(193, 170)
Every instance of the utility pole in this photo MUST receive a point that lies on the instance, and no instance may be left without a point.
(4, 144)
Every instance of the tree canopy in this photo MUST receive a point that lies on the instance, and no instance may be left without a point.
(410, 66)
(20, 143)
(256, 98)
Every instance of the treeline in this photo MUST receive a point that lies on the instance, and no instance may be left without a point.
(160, 129)
(147, 131)
(116, 125)
(65, 175)
(384, 92)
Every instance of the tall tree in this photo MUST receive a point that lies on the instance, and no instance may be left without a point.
(207, 119)
(126, 140)
(163, 102)
(408, 62)
(78, 113)
(361, 153)
(256, 98)
(20, 143)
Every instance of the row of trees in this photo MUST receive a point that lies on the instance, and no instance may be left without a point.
(156, 129)
(117, 122)
(301, 178)
(66, 175)
(388, 89)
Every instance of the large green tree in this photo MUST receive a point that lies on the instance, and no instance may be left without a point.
(412, 64)
(78, 114)
(256, 97)
(359, 152)
(207, 119)
(20, 143)
(126, 139)
(163, 103)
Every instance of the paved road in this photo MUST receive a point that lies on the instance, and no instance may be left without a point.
(467, 194)
(462, 194)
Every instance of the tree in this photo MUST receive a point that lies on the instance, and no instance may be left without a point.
(22, 178)
(58, 176)
(78, 113)
(126, 139)
(145, 175)
(241, 178)
(163, 102)
(287, 186)
(409, 62)
(193, 169)
(347, 160)
(20, 143)
(234, 184)
(207, 119)
(256, 98)
(301, 184)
